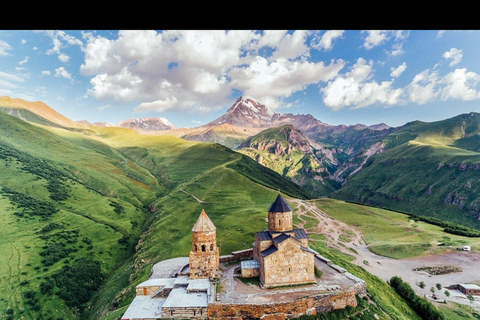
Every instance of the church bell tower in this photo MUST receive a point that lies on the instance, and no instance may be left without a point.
(204, 257)
(280, 216)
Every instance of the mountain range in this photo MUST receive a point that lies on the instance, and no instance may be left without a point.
(367, 164)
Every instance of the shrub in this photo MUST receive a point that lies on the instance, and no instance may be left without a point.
(422, 306)
(78, 282)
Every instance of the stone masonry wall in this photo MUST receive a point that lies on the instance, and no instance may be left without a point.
(289, 265)
(304, 306)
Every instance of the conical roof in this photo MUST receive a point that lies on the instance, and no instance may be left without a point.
(280, 205)
(203, 224)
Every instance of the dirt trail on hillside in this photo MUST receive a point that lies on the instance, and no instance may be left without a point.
(349, 240)
(336, 232)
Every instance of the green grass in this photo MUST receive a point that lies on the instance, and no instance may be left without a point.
(393, 234)
(386, 300)
(424, 171)
(250, 281)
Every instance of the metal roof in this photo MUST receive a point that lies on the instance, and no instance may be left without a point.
(470, 286)
(264, 235)
(300, 233)
(279, 205)
(269, 251)
(281, 238)
(249, 264)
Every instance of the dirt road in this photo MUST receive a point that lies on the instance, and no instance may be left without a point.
(353, 244)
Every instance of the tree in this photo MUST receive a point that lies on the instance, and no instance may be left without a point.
(422, 284)
(447, 293)
(439, 286)
(470, 297)
(432, 290)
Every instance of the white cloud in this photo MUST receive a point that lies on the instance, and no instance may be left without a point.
(11, 77)
(271, 81)
(4, 47)
(60, 40)
(24, 61)
(460, 85)
(24, 41)
(355, 89)
(60, 98)
(379, 37)
(63, 57)
(400, 36)
(137, 66)
(9, 81)
(46, 73)
(397, 72)
(34, 48)
(375, 38)
(62, 73)
(326, 41)
(291, 46)
(440, 33)
(455, 55)
(423, 87)
(157, 106)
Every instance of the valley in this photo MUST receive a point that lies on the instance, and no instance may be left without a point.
(79, 201)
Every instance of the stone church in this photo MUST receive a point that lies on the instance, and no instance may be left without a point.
(282, 252)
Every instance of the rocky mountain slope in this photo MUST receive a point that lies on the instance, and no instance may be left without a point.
(289, 152)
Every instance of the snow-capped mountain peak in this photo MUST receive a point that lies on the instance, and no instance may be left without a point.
(147, 124)
(246, 112)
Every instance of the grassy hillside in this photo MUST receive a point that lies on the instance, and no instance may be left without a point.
(430, 169)
(288, 152)
(76, 204)
(394, 234)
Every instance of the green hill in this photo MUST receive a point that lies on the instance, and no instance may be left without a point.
(77, 203)
(430, 169)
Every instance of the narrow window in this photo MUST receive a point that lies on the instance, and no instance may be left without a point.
(289, 269)
(203, 248)
(196, 249)
(279, 222)
(194, 313)
(211, 247)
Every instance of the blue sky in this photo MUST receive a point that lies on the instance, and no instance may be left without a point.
(193, 77)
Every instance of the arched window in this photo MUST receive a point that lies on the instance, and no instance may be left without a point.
(279, 222)
(203, 248)
(211, 247)
(196, 249)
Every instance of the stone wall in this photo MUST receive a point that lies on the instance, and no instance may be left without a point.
(185, 313)
(203, 264)
(238, 255)
(280, 221)
(250, 273)
(281, 310)
(289, 265)
(146, 291)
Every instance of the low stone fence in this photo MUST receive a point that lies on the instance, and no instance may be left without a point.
(238, 255)
(281, 310)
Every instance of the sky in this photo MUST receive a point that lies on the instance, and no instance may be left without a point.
(192, 77)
